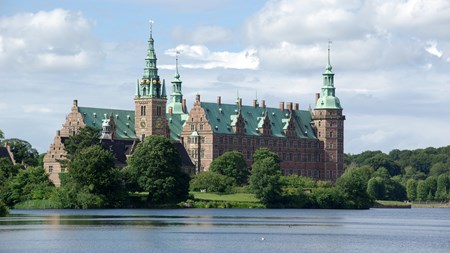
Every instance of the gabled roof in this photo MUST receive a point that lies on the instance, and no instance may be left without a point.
(222, 117)
(124, 120)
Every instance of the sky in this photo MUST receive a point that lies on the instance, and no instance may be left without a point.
(390, 58)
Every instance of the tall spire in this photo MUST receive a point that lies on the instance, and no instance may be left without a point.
(177, 95)
(328, 99)
(150, 70)
(329, 67)
(138, 91)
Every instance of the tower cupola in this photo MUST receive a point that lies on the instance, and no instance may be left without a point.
(328, 99)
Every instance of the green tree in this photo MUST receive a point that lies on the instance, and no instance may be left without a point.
(353, 186)
(411, 189)
(295, 181)
(265, 181)
(422, 191)
(231, 164)
(327, 198)
(376, 188)
(421, 161)
(382, 160)
(92, 171)
(211, 182)
(23, 151)
(411, 172)
(86, 136)
(395, 190)
(156, 167)
(438, 169)
(443, 185)
(29, 184)
(2, 136)
(3, 208)
(7, 170)
(431, 186)
(263, 153)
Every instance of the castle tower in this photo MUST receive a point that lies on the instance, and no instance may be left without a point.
(150, 99)
(176, 98)
(329, 123)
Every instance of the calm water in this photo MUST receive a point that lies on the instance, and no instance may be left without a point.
(226, 230)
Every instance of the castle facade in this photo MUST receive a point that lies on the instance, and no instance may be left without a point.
(309, 142)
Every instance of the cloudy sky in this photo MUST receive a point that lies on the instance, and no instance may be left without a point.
(390, 58)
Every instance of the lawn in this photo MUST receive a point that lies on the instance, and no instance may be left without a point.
(237, 197)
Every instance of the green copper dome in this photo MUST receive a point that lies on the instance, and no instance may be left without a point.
(328, 99)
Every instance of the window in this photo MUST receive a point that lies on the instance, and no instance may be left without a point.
(331, 134)
(158, 111)
(50, 169)
(192, 127)
(143, 110)
(201, 126)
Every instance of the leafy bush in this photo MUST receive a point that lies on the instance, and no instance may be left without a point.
(211, 182)
(3, 209)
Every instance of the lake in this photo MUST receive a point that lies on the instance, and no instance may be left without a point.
(226, 230)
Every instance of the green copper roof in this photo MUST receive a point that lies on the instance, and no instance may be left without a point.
(123, 119)
(223, 117)
(176, 122)
(328, 99)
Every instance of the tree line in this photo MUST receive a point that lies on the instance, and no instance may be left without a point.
(154, 170)
(414, 175)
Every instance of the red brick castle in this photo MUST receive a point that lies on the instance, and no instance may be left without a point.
(309, 143)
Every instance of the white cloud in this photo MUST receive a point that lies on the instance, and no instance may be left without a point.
(292, 35)
(306, 21)
(421, 18)
(48, 41)
(200, 56)
(432, 49)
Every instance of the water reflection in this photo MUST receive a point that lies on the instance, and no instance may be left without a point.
(226, 230)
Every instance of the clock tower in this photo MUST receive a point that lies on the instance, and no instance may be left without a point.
(150, 100)
(329, 123)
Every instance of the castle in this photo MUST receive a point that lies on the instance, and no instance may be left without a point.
(309, 143)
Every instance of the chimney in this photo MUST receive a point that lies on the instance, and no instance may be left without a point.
(219, 100)
(255, 103)
(240, 102)
(289, 106)
(317, 97)
(170, 110)
(183, 105)
(197, 98)
(296, 107)
(58, 133)
(263, 104)
(282, 106)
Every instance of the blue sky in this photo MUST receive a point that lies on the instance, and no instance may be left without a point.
(390, 58)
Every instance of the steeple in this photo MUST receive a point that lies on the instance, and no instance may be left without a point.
(176, 98)
(150, 85)
(328, 99)
(150, 70)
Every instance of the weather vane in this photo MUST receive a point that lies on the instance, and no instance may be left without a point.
(151, 26)
(176, 58)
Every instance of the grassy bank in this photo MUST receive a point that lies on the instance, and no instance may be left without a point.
(391, 204)
(214, 200)
(238, 197)
(430, 205)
